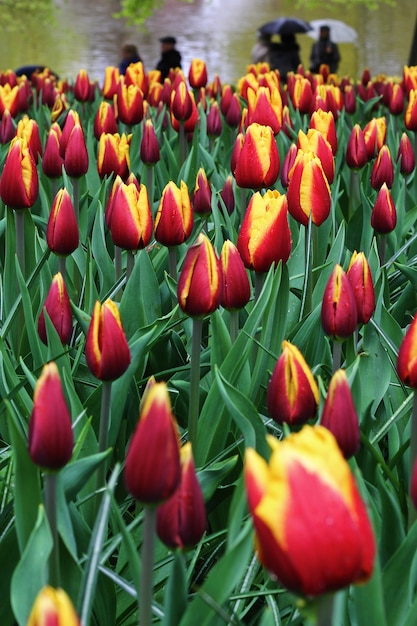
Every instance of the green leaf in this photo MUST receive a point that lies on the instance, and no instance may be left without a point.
(211, 477)
(220, 344)
(175, 597)
(75, 475)
(369, 600)
(30, 574)
(104, 263)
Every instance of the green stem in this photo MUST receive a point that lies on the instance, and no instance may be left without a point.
(183, 144)
(315, 256)
(307, 296)
(146, 579)
(234, 325)
(354, 195)
(76, 198)
(20, 239)
(325, 610)
(194, 405)
(103, 435)
(149, 183)
(412, 513)
(259, 283)
(130, 264)
(62, 266)
(382, 244)
(172, 262)
(337, 355)
(51, 513)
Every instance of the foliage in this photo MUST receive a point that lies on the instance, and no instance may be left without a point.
(138, 11)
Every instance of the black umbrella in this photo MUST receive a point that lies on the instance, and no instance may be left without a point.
(285, 26)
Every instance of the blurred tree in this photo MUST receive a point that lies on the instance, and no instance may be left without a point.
(42, 10)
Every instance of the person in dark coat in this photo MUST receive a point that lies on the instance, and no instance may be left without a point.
(285, 55)
(170, 57)
(130, 54)
(324, 52)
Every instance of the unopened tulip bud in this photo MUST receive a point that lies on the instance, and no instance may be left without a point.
(53, 607)
(58, 307)
(375, 133)
(227, 195)
(149, 146)
(287, 165)
(181, 520)
(7, 128)
(152, 470)
(410, 114)
(339, 314)
(236, 287)
(233, 114)
(131, 219)
(264, 238)
(104, 120)
(265, 107)
(324, 122)
(384, 213)
(202, 194)
(292, 395)
(106, 348)
(76, 155)
(258, 162)
(129, 103)
(82, 86)
(50, 436)
(52, 160)
(174, 218)
(406, 154)
(181, 103)
(200, 282)
(356, 153)
(382, 169)
(407, 356)
(308, 190)
(19, 182)
(113, 155)
(111, 80)
(197, 76)
(315, 142)
(339, 415)
(28, 130)
(360, 278)
(214, 121)
(62, 234)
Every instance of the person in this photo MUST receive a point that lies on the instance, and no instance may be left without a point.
(260, 51)
(285, 55)
(28, 70)
(130, 54)
(170, 57)
(324, 51)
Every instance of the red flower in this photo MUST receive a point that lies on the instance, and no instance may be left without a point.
(360, 278)
(149, 146)
(384, 213)
(105, 120)
(174, 218)
(52, 607)
(339, 314)
(58, 307)
(113, 155)
(382, 169)
(258, 162)
(76, 155)
(406, 154)
(356, 153)
(308, 190)
(236, 287)
(131, 218)
(202, 194)
(19, 183)
(129, 103)
(197, 75)
(407, 356)
(52, 160)
(339, 415)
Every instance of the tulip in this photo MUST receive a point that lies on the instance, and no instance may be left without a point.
(349, 100)
(315, 142)
(52, 161)
(50, 436)
(9, 99)
(406, 154)
(384, 213)
(301, 94)
(72, 119)
(360, 278)
(339, 314)
(7, 128)
(181, 520)
(190, 123)
(28, 130)
(152, 471)
(236, 151)
(53, 607)
(131, 218)
(76, 155)
(104, 120)
(292, 395)
(181, 103)
(395, 96)
(174, 218)
(236, 287)
(58, 307)
(82, 86)
(136, 75)
(312, 528)
(227, 195)
(409, 78)
(214, 121)
(111, 80)
(200, 285)
(106, 349)
(149, 146)
(129, 103)
(382, 169)
(356, 153)
(19, 183)
(287, 164)
(226, 98)
(308, 190)
(407, 356)
(410, 114)
(324, 122)
(113, 155)
(265, 107)
(197, 76)
(339, 415)
(264, 237)
(62, 234)
(375, 133)
(233, 114)
(202, 194)
(258, 162)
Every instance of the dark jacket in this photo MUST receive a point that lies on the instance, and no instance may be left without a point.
(124, 64)
(285, 58)
(324, 52)
(169, 59)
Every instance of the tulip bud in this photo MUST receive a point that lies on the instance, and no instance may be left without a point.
(339, 415)
(287, 165)
(197, 76)
(129, 103)
(214, 121)
(7, 128)
(106, 348)
(104, 120)
(308, 190)
(111, 80)
(113, 155)
(152, 470)
(384, 213)
(374, 134)
(76, 155)
(174, 218)
(407, 356)
(406, 154)
(356, 153)
(265, 107)
(264, 237)
(131, 218)
(181, 103)
(190, 123)
(200, 282)
(315, 142)
(181, 520)
(307, 480)
(202, 194)
(292, 395)
(302, 94)
(382, 169)
(9, 99)
(395, 97)
(136, 75)
(62, 234)
(227, 195)
(233, 114)
(82, 86)
(52, 160)
(50, 436)
(324, 122)
(236, 287)
(58, 308)
(349, 99)
(226, 98)
(53, 607)
(258, 162)
(339, 315)
(72, 119)
(149, 146)
(360, 278)
(28, 130)
(19, 183)
(410, 114)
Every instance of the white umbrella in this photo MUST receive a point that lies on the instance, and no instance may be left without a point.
(339, 31)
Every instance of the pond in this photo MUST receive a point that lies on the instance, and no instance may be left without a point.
(222, 32)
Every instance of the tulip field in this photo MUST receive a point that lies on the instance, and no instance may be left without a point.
(208, 349)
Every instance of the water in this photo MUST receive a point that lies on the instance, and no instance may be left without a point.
(222, 32)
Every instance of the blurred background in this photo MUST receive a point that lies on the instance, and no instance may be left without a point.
(221, 32)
